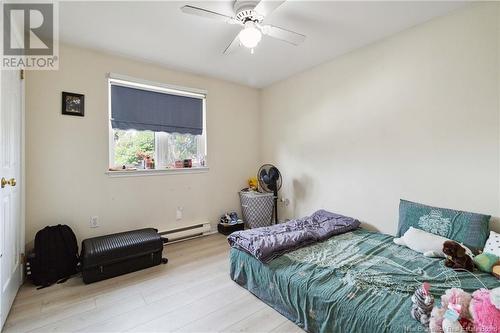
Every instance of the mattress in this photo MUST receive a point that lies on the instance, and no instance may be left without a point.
(359, 281)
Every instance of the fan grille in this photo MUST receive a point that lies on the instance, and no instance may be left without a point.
(265, 186)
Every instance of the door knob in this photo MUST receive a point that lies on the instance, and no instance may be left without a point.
(4, 182)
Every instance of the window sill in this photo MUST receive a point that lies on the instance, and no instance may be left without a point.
(156, 172)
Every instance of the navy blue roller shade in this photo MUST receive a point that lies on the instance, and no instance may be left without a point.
(154, 111)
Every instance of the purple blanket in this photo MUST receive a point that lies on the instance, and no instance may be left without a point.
(271, 242)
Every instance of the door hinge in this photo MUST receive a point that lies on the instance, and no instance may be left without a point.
(21, 74)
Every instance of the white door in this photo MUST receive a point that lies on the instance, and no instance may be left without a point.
(11, 228)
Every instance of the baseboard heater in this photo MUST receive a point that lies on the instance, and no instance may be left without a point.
(187, 232)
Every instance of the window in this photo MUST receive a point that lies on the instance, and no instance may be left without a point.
(155, 127)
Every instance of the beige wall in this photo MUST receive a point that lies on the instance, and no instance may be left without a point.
(67, 156)
(415, 116)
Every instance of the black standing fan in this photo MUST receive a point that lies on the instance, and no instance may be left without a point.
(270, 181)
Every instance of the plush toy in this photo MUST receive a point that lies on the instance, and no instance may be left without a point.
(460, 297)
(489, 263)
(451, 323)
(436, 320)
(453, 315)
(495, 270)
(457, 257)
(485, 262)
(485, 314)
(423, 301)
(253, 183)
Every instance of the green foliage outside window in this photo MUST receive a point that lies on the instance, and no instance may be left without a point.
(182, 146)
(130, 145)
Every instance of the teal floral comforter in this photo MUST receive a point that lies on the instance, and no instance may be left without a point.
(359, 281)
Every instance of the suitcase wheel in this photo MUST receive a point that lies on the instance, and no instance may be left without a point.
(164, 260)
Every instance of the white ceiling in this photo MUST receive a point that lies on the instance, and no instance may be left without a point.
(159, 32)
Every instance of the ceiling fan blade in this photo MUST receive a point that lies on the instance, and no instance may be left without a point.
(283, 34)
(233, 45)
(265, 7)
(208, 14)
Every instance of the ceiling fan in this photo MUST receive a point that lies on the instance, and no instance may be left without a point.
(251, 16)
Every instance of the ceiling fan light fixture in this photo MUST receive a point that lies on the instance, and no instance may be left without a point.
(250, 36)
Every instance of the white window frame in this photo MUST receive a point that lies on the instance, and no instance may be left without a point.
(127, 81)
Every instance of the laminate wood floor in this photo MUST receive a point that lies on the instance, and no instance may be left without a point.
(192, 293)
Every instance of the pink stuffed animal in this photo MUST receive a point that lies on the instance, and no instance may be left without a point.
(460, 299)
(436, 322)
(486, 316)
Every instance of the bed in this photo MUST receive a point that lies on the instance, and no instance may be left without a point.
(359, 281)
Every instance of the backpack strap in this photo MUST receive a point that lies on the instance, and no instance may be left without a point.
(64, 279)
(68, 250)
(45, 258)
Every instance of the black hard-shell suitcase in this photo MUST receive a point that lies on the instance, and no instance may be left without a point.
(108, 256)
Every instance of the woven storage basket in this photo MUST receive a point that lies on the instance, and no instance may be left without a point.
(257, 208)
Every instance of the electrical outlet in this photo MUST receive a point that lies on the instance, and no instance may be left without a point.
(178, 213)
(94, 222)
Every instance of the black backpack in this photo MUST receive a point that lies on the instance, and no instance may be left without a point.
(55, 257)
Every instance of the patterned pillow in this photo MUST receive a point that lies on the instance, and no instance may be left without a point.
(493, 244)
(470, 229)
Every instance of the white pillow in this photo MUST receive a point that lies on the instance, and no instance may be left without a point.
(422, 241)
(493, 244)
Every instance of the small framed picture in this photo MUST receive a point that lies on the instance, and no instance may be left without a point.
(73, 104)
